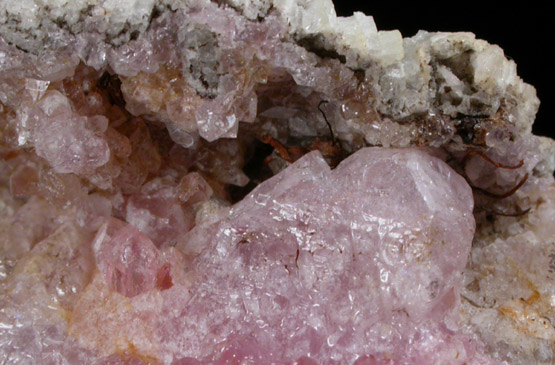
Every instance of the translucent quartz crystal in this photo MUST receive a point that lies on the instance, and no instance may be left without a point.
(128, 259)
(157, 211)
(60, 136)
(333, 264)
(194, 189)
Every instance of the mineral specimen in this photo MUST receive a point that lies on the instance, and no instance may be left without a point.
(248, 181)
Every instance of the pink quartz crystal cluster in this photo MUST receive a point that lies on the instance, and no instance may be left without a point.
(235, 183)
(357, 264)
(360, 264)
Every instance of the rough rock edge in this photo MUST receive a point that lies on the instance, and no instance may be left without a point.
(423, 66)
(355, 40)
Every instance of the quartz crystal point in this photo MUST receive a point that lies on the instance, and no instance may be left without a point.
(132, 135)
(364, 260)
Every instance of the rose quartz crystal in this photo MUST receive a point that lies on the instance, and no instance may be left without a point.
(333, 265)
(360, 264)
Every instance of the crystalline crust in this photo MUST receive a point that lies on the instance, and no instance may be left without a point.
(132, 135)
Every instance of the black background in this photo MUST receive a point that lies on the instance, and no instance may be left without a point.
(526, 32)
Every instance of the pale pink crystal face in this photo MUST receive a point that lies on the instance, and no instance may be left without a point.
(63, 138)
(157, 210)
(128, 259)
(331, 264)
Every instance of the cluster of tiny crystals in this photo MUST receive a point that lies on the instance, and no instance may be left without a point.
(130, 232)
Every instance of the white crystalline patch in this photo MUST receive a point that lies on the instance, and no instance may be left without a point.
(492, 71)
(356, 33)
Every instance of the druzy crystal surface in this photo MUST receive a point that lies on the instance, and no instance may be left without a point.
(256, 182)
